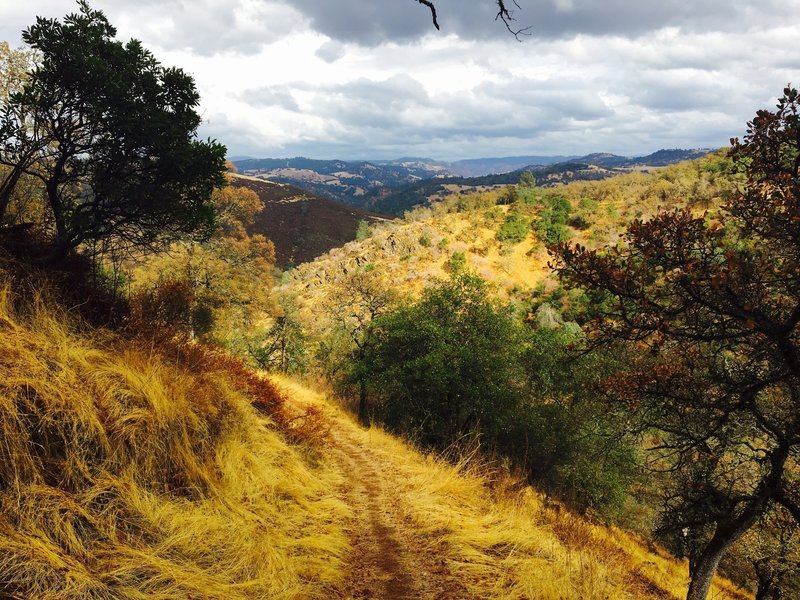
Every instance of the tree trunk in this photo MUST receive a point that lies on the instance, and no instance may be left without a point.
(362, 402)
(7, 188)
(701, 570)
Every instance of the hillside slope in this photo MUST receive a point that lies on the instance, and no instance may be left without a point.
(138, 470)
(422, 528)
(131, 471)
(407, 254)
(301, 225)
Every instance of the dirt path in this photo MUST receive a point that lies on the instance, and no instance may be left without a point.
(389, 559)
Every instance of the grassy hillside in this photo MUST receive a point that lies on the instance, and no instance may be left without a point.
(134, 470)
(473, 531)
(409, 253)
(129, 471)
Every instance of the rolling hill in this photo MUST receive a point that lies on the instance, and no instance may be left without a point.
(301, 225)
(394, 186)
(407, 254)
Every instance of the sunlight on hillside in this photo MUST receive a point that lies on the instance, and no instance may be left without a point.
(129, 472)
(407, 255)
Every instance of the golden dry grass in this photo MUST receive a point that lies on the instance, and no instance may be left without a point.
(128, 474)
(396, 254)
(498, 538)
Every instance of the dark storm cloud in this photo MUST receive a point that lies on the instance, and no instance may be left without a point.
(372, 22)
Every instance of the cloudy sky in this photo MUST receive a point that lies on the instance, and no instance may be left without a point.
(357, 79)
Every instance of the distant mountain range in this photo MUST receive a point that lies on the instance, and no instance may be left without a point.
(394, 186)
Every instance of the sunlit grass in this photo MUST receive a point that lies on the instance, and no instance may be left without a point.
(124, 473)
(499, 537)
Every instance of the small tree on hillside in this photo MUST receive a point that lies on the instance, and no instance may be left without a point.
(354, 304)
(110, 134)
(714, 310)
(448, 365)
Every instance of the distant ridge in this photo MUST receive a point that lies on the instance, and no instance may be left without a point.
(394, 186)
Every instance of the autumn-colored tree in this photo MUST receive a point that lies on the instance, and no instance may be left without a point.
(713, 306)
(227, 278)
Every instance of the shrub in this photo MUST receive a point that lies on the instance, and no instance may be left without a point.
(514, 229)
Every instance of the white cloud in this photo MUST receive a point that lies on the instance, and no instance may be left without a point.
(359, 79)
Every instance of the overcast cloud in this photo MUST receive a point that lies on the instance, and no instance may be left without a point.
(373, 79)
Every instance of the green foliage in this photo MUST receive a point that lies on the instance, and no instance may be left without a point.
(456, 363)
(425, 240)
(567, 438)
(552, 225)
(446, 366)
(509, 195)
(362, 231)
(111, 135)
(457, 263)
(527, 180)
(515, 229)
(579, 222)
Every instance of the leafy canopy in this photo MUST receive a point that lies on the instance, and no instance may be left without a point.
(110, 135)
(448, 365)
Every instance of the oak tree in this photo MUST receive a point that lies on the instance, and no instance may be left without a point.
(713, 306)
(110, 135)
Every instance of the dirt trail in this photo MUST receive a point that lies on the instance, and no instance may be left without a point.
(389, 559)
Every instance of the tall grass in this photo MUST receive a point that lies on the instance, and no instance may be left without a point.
(131, 471)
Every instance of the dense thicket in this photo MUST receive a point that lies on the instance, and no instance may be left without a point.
(457, 367)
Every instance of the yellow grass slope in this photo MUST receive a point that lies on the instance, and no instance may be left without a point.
(408, 254)
(131, 474)
(498, 539)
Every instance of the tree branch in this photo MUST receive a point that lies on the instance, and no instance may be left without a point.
(430, 5)
(503, 14)
(507, 16)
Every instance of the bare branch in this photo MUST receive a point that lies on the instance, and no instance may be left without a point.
(503, 14)
(430, 5)
(507, 17)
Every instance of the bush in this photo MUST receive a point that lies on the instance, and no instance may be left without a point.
(362, 231)
(551, 227)
(514, 229)
(448, 365)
